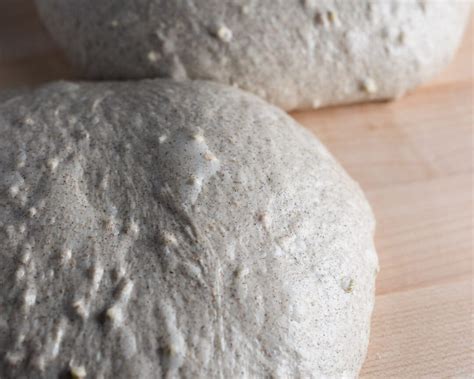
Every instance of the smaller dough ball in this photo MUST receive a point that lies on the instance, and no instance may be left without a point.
(294, 53)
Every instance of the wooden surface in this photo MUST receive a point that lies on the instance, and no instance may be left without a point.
(414, 160)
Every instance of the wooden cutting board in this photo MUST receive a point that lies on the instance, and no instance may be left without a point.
(414, 160)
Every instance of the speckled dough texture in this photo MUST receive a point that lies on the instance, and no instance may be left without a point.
(294, 53)
(164, 229)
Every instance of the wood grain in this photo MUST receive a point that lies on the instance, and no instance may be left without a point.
(414, 160)
(422, 333)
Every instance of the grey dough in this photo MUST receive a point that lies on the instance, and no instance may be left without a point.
(293, 53)
(163, 229)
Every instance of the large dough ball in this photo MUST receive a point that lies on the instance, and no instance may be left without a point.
(294, 53)
(157, 228)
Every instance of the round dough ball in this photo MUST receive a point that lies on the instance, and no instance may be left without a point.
(163, 229)
(294, 53)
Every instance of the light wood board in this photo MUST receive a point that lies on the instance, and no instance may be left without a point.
(413, 158)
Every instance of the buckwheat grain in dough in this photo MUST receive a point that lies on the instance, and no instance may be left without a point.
(161, 229)
(294, 53)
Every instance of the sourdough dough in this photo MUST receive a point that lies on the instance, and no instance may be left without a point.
(158, 228)
(294, 53)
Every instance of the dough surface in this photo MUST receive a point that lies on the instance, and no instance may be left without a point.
(164, 229)
(294, 53)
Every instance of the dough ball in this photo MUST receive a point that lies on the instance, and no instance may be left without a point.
(163, 229)
(294, 53)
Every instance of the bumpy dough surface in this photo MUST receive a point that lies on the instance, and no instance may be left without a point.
(294, 53)
(156, 229)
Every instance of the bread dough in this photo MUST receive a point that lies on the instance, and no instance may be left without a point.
(163, 229)
(294, 53)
